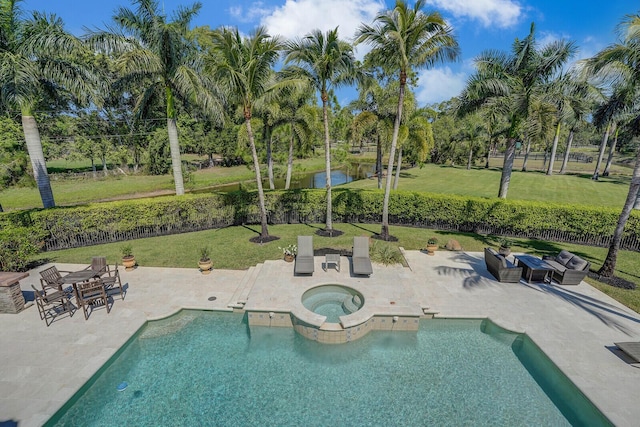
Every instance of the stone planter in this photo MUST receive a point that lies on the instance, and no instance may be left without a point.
(205, 266)
(504, 251)
(288, 258)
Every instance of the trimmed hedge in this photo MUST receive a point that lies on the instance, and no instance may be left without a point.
(123, 220)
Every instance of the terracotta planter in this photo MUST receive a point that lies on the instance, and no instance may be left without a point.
(431, 249)
(129, 262)
(205, 266)
(288, 258)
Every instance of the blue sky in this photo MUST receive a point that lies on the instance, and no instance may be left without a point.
(478, 24)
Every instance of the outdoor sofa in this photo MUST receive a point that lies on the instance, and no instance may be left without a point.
(568, 268)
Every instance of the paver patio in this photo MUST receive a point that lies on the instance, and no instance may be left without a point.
(576, 326)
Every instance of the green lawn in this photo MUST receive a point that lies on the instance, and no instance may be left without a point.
(183, 250)
(480, 182)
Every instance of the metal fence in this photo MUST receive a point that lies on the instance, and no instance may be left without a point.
(206, 222)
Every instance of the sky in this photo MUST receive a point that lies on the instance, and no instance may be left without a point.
(478, 25)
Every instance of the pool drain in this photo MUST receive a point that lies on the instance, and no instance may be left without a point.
(212, 298)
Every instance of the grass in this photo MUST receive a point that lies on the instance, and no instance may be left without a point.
(479, 182)
(183, 250)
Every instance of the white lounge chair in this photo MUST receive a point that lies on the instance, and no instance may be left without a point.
(360, 258)
(304, 258)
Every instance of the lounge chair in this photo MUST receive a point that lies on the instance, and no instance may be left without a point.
(52, 304)
(360, 258)
(631, 349)
(91, 294)
(304, 258)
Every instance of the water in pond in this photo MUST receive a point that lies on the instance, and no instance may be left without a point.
(207, 368)
(311, 179)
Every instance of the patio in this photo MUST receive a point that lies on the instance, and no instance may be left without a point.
(576, 326)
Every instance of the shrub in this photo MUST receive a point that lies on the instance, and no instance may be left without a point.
(17, 246)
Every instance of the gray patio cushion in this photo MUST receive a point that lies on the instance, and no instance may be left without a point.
(577, 263)
(556, 265)
(502, 260)
(564, 256)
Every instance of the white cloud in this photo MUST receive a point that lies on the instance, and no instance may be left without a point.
(501, 13)
(257, 11)
(439, 84)
(296, 18)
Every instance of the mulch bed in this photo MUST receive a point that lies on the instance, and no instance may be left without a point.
(260, 239)
(615, 281)
(332, 233)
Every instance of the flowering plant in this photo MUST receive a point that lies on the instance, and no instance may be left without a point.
(289, 250)
(432, 241)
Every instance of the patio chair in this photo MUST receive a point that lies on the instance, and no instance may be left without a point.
(304, 258)
(51, 278)
(111, 281)
(92, 294)
(99, 265)
(360, 258)
(52, 304)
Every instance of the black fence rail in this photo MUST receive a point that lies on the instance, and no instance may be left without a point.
(206, 222)
(99, 237)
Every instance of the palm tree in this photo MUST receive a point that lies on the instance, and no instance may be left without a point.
(418, 138)
(159, 56)
(518, 78)
(618, 64)
(328, 63)
(37, 56)
(245, 65)
(405, 39)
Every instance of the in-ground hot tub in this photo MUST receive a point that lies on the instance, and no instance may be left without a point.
(332, 301)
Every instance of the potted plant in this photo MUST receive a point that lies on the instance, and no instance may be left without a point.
(205, 262)
(128, 260)
(505, 247)
(432, 245)
(289, 252)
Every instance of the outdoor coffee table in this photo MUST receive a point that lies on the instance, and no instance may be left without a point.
(333, 258)
(534, 269)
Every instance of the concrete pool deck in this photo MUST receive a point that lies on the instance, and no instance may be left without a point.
(42, 367)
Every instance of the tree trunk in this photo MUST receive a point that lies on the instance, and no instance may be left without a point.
(636, 205)
(603, 145)
(267, 141)
(554, 148)
(93, 168)
(609, 265)
(289, 161)
(526, 156)
(327, 159)
(105, 171)
(176, 163)
(34, 148)
(612, 150)
(507, 168)
(384, 232)
(470, 159)
(379, 162)
(395, 182)
(256, 165)
(565, 160)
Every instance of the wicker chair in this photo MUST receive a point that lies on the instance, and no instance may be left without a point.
(52, 304)
(501, 268)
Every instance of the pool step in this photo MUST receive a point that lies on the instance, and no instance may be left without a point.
(239, 298)
(351, 304)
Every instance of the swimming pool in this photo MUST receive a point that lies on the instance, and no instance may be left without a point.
(208, 368)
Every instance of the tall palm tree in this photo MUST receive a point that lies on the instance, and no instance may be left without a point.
(328, 63)
(38, 57)
(245, 65)
(405, 39)
(518, 77)
(618, 64)
(159, 56)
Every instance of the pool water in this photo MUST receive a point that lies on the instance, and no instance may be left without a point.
(332, 301)
(208, 368)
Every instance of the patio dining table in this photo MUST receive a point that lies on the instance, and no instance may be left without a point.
(76, 277)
